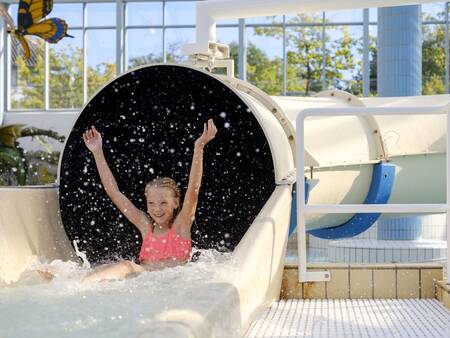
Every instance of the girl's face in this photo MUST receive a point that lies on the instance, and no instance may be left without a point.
(161, 204)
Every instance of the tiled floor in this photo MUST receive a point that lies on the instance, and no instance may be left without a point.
(353, 318)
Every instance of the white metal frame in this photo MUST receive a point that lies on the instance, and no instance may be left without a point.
(303, 209)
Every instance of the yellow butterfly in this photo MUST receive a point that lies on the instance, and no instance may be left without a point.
(29, 22)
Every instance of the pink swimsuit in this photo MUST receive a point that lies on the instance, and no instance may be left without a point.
(166, 246)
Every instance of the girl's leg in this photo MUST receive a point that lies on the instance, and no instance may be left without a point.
(117, 270)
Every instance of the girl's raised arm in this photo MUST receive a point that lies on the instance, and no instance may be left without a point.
(93, 141)
(184, 220)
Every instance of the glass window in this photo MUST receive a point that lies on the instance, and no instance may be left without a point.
(13, 12)
(139, 13)
(343, 65)
(101, 58)
(101, 14)
(66, 71)
(373, 35)
(230, 36)
(350, 15)
(433, 59)
(227, 22)
(227, 35)
(304, 17)
(264, 19)
(180, 13)
(144, 46)
(175, 39)
(27, 78)
(433, 11)
(265, 58)
(373, 15)
(304, 60)
(70, 13)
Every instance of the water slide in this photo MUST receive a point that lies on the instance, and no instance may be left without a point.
(246, 195)
(150, 117)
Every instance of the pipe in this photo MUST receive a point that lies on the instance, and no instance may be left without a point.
(208, 12)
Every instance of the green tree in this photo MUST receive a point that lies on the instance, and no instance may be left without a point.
(262, 72)
(144, 60)
(356, 83)
(66, 69)
(306, 63)
(29, 92)
(172, 56)
(433, 59)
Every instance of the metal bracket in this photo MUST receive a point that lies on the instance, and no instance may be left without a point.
(218, 56)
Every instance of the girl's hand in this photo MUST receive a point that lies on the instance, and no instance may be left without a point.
(209, 132)
(93, 140)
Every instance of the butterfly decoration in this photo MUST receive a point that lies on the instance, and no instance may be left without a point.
(30, 21)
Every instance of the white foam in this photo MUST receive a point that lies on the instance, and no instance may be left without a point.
(70, 307)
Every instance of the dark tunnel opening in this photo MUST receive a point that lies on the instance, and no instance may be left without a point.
(149, 119)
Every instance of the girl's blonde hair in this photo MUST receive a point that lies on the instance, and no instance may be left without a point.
(166, 182)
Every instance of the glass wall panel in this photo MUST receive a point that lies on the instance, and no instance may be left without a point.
(264, 20)
(350, 15)
(304, 17)
(227, 21)
(27, 78)
(343, 58)
(433, 11)
(101, 57)
(144, 46)
(180, 13)
(304, 60)
(71, 13)
(373, 34)
(433, 59)
(373, 14)
(66, 72)
(101, 14)
(175, 39)
(141, 13)
(264, 58)
(305, 54)
(230, 37)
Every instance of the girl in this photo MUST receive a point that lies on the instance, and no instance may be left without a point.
(165, 227)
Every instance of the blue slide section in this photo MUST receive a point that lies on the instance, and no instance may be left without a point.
(379, 193)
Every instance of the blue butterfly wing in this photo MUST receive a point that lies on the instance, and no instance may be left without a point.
(51, 30)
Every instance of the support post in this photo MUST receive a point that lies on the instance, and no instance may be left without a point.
(303, 274)
(448, 199)
(3, 54)
(242, 55)
(366, 61)
(119, 37)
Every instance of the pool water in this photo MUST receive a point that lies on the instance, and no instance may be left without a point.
(69, 307)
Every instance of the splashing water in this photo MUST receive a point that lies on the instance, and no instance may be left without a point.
(82, 255)
(70, 307)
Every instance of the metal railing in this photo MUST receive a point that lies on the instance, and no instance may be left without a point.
(304, 209)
